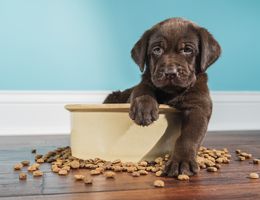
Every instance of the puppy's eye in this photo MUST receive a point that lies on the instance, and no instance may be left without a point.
(157, 51)
(186, 50)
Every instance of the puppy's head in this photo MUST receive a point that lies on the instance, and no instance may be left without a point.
(174, 52)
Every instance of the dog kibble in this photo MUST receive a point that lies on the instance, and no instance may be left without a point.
(37, 173)
(158, 173)
(25, 163)
(79, 177)
(256, 161)
(183, 177)
(95, 172)
(253, 175)
(63, 172)
(110, 174)
(143, 172)
(18, 166)
(40, 160)
(88, 180)
(75, 164)
(32, 168)
(22, 176)
(241, 158)
(158, 183)
(135, 174)
(212, 169)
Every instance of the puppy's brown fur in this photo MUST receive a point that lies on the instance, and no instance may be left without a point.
(174, 56)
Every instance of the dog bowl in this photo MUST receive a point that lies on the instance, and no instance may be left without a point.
(105, 131)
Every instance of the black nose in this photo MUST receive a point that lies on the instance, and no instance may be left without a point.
(170, 73)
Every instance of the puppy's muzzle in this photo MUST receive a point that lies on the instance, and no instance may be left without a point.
(171, 72)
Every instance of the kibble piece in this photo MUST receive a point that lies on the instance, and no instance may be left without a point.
(63, 172)
(135, 174)
(88, 180)
(40, 160)
(79, 177)
(37, 173)
(158, 183)
(212, 169)
(241, 158)
(22, 176)
(118, 169)
(256, 161)
(55, 169)
(158, 173)
(110, 174)
(32, 168)
(33, 151)
(38, 156)
(116, 161)
(143, 172)
(25, 163)
(238, 151)
(253, 175)
(95, 172)
(143, 163)
(18, 166)
(183, 177)
(75, 164)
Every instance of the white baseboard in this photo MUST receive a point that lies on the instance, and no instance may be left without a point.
(42, 112)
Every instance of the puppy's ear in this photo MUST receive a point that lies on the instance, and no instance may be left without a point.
(210, 50)
(138, 52)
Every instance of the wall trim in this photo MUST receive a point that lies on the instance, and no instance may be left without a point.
(42, 112)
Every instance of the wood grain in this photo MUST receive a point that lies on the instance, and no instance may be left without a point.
(230, 182)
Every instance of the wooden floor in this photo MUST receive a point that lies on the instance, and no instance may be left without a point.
(230, 182)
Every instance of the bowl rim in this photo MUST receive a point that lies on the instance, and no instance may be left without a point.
(116, 107)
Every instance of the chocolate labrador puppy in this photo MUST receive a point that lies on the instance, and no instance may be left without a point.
(173, 56)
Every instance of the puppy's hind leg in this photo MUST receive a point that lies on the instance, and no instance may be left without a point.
(119, 96)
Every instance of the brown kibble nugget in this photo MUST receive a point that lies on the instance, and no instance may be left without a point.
(110, 174)
(37, 173)
(159, 173)
(95, 172)
(32, 168)
(40, 160)
(88, 180)
(143, 172)
(183, 177)
(256, 161)
(79, 177)
(18, 166)
(25, 162)
(158, 183)
(212, 169)
(63, 172)
(253, 175)
(22, 176)
(241, 158)
(238, 151)
(135, 174)
(75, 164)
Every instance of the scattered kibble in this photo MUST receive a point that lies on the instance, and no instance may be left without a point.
(158, 183)
(135, 174)
(253, 175)
(183, 177)
(37, 173)
(212, 169)
(75, 164)
(158, 173)
(63, 172)
(40, 160)
(95, 172)
(88, 180)
(79, 177)
(25, 163)
(256, 161)
(109, 174)
(22, 176)
(18, 166)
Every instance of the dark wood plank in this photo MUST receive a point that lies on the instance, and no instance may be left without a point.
(230, 182)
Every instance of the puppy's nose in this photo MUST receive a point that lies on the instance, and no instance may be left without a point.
(170, 73)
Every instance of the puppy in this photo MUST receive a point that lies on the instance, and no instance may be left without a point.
(173, 56)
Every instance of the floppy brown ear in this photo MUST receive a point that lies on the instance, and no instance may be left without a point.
(209, 48)
(138, 52)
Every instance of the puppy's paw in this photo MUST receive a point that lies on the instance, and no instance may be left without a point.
(144, 110)
(175, 166)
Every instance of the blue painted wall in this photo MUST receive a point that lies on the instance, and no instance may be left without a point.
(85, 45)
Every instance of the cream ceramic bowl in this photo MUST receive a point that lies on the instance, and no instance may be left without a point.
(106, 131)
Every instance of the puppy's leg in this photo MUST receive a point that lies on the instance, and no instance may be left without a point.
(194, 127)
(144, 107)
(119, 97)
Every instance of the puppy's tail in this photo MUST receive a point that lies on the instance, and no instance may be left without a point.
(119, 97)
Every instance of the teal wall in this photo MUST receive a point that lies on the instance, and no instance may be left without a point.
(85, 44)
